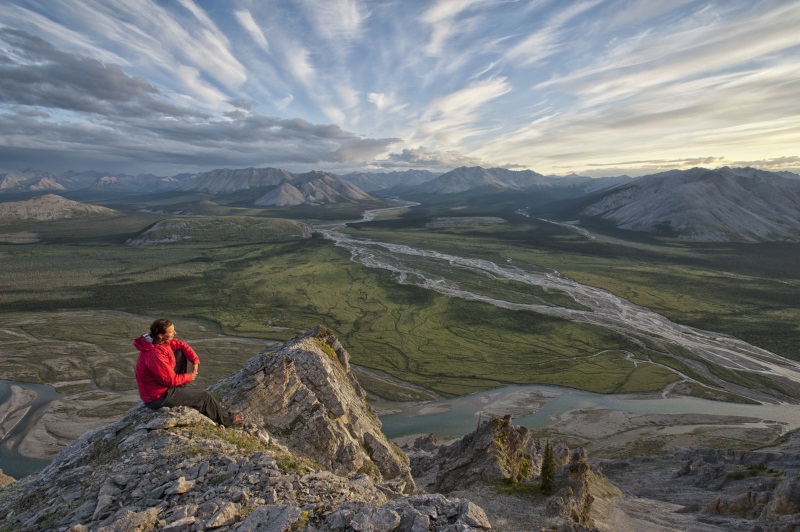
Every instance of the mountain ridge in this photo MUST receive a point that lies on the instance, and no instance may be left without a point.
(477, 179)
(390, 181)
(706, 205)
(50, 207)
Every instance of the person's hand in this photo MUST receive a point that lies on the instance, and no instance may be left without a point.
(195, 369)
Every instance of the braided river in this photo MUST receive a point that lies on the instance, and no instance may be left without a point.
(428, 269)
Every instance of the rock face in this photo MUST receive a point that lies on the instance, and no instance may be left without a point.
(306, 395)
(5, 480)
(496, 451)
(580, 488)
(174, 469)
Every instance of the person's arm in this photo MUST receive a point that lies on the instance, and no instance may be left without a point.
(187, 350)
(164, 372)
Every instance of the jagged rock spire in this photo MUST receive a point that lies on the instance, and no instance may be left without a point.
(307, 397)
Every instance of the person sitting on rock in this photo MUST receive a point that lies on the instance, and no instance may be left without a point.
(161, 374)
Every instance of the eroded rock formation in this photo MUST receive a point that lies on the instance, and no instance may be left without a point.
(306, 395)
(500, 454)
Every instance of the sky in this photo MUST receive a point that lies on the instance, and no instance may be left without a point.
(594, 87)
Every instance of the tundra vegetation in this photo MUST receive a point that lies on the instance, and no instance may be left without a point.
(72, 301)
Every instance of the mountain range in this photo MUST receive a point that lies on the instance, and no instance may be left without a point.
(32, 180)
(482, 180)
(723, 204)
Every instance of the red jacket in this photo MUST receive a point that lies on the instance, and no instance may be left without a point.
(155, 368)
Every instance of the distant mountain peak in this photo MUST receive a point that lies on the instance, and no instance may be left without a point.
(313, 188)
(739, 204)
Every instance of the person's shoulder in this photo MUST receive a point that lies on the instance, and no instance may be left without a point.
(176, 343)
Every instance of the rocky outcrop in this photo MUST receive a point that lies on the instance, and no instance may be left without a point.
(499, 453)
(306, 395)
(580, 486)
(496, 451)
(772, 507)
(174, 469)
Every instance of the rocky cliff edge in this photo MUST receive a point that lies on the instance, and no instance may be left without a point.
(311, 457)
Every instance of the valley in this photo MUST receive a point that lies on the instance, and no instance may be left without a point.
(433, 303)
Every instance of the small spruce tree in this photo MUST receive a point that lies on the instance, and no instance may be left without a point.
(548, 468)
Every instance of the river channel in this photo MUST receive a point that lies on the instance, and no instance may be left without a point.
(450, 418)
(17, 415)
(456, 417)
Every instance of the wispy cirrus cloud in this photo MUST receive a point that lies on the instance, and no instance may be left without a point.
(337, 20)
(298, 63)
(721, 84)
(249, 24)
(442, 17)
(546, 41)
(456, 116)
(540, 84)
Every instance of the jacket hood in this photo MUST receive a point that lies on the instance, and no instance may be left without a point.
(144, 342)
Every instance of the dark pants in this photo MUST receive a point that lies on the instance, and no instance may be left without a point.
(200, 400)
